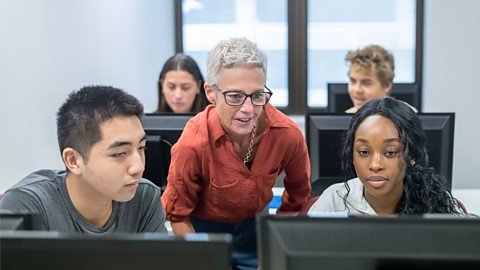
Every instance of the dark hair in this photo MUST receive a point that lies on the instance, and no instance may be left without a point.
(186, 63)
(424, 190)
(80, 116)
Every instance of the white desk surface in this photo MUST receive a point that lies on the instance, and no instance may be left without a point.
(470, 198)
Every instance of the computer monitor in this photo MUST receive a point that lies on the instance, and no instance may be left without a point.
(339, 100)
(324, 132)
(368, 243)
(52, 250)
(163, 131)
(15, 220)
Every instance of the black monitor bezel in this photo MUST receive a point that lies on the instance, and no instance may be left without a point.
(19, 220)
(367, 242)
(337, 91)
(162, 130)
(342, 120)
(120, 251)
(169, 121)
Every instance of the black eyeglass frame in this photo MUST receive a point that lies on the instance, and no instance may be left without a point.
(269, 92)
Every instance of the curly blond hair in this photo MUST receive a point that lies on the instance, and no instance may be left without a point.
(373, 59)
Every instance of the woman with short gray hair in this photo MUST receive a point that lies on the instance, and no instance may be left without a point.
(228, 158)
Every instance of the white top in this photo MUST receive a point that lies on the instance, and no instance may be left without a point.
(332, 200)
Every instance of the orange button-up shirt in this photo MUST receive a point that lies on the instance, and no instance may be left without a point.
(209, 181)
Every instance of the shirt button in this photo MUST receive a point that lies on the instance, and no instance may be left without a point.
(253, 196)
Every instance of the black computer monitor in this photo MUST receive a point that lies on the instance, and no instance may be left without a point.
(163, 131)
(339, 100)
(368, 243)
(52, 250)
(15, 220)
(324, 132)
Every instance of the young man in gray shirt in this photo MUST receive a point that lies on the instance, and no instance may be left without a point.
(102, 145)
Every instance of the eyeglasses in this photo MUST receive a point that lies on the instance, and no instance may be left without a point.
(235, 98)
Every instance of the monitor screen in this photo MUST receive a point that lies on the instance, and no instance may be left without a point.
(368, 243)
(10, 220)
(339, 100)
(324, 133)
(163, 131)
(52, 250)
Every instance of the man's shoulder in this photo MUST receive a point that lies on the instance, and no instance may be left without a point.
(146, 191)
(38, 192)
(148, 186)
(41, 179)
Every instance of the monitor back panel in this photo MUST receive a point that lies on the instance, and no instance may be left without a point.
(368, 243)
(163, 131)
(42, 250)
(339, 100)
(324, 135)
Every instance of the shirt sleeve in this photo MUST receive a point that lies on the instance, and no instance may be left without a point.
(297, 177)
(183, 183)
(153, 219)
(325, 202)
(19, 200)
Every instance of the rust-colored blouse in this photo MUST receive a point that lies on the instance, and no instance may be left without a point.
(209, 181)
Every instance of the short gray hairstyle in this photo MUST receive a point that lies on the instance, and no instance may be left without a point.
(234, 52)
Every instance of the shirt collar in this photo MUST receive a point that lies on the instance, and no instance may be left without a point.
(275, 118)
(355, 198)
(214, 123)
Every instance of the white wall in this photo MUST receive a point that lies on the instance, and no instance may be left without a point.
(452, 79)
(49, 48)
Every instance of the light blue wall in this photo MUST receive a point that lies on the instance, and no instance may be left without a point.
(49, 48)
(452, 79)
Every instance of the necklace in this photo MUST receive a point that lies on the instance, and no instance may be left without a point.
(250, 147)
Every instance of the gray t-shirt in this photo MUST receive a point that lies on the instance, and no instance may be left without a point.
(45, 192)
